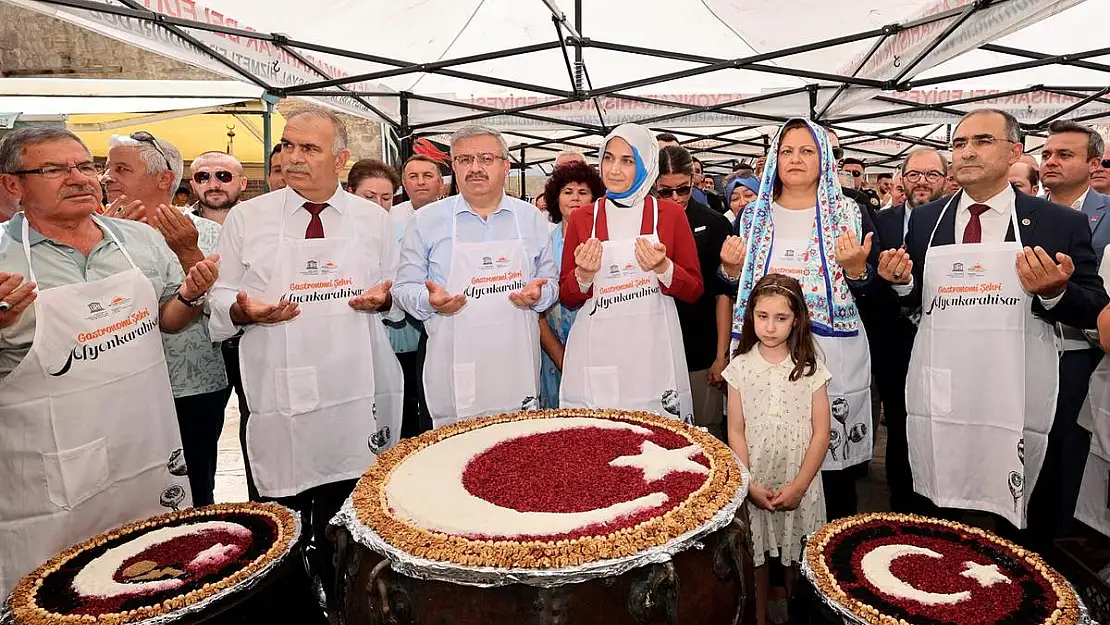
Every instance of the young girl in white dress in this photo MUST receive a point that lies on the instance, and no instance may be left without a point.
(778, 423)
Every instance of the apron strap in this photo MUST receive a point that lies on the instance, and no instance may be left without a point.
(956, 235)
(26, 231)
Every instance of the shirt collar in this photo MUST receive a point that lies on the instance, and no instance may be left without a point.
(14, 229)
(295, 203)
(463, 206)
(1082, 199)
(1001, 203)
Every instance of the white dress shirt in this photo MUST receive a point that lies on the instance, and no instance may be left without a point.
(249, 245)
(995, 223)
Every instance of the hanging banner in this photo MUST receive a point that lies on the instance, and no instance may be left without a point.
(270, 63)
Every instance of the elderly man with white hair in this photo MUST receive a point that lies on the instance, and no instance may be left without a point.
(477, 269)
(306, 275)
(142, 174)
(87, 440)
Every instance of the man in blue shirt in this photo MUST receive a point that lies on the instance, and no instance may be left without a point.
(477, 269)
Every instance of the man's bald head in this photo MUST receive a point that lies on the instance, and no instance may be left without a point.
(218, 159)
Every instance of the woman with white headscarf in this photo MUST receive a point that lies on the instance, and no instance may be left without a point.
(624, 261)
(802, 225)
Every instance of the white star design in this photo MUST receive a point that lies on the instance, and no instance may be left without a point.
(657, 462)
(986, 574)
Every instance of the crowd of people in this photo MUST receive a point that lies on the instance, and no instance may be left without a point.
(769, 314)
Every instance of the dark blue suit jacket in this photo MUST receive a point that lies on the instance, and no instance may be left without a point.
(1095, 208)
(1051, 226)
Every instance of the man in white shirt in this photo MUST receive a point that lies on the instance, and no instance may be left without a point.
(477, 268)
(992, 272)
(423, 183)
(306, 274)
(1071, 153)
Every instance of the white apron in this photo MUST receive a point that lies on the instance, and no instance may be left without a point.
(848, 359)
(625, 347)
(485, 358)
(983, 379)
(1093, 507)
(88, 431)
(325, 389)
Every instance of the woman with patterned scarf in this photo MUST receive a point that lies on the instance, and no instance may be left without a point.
(802, 226)
(625, 260)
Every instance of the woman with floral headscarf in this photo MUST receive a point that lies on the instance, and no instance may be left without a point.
(626, 259)
(801, 225)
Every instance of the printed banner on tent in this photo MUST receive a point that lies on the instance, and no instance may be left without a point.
(1027, 107)
(272, 64)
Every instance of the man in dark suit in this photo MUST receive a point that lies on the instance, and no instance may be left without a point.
(992, 271)
(1070, 155)
(891, 327)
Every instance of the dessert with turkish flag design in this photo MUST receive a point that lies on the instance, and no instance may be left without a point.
(894, 569)
(176, 562)
(547, 489)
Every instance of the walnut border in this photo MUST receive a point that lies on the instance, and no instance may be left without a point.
(27, 612)
(1067, 604)
(373, 510)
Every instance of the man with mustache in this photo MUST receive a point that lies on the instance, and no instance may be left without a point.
(142, 173)
(307, 271)
(922, 175)
(992, 271)
(1100, 179)
(86, 438)
(477, 269)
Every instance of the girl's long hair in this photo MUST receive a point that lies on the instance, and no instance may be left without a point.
(803, 349)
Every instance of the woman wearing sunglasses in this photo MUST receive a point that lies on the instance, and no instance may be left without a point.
(803, 226)
(625, 261)
(707, 321)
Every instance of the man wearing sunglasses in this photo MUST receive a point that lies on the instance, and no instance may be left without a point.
(217, 181)
(143, 173)
(1100, 178)
(86, 438)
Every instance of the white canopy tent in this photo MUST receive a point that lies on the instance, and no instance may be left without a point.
(720, 74)
(75, 96)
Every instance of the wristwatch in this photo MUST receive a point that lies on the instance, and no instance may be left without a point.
(192, 303)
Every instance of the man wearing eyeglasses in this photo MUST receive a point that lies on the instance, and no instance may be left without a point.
(992, 272)
(306, 277)
(86, 438)
(477, 269)
(1100, 178)
(892, 327)
(142, 174)
(217, 180)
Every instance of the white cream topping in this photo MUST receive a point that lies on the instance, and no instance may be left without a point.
(96, 579)
(216, 554)
(427, 490)
(876, 568)
(658, 462)
(986, 574)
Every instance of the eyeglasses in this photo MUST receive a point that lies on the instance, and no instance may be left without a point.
(915, 176)
(224, 176)
(485, 159)
(677, 191)
(855, 172)
(146, 137)
(1106, 163)
(978, 142)
(838, 153)
(53, 172)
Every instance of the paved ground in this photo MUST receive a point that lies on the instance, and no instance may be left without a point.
(231, 483)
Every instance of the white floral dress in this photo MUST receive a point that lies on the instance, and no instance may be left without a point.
(778, 423)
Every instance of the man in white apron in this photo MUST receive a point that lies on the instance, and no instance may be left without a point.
(991, 272)
(307, 270)
(477, 269)
(88, 439)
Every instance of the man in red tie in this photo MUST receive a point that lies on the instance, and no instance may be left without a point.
(992, 271)
(307, 275)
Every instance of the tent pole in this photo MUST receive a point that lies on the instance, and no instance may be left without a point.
(405, 130)
(268, 100)
(579, 64)
(523, 166)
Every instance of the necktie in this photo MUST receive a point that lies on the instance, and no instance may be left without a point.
(315, 229)
(973, 233)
